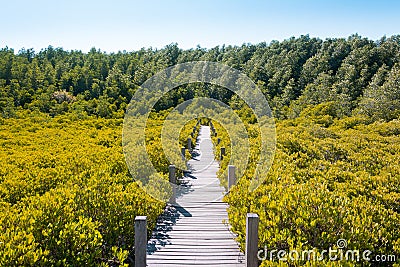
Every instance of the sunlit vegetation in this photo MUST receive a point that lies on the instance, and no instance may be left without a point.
(67, 197)
(331, 179)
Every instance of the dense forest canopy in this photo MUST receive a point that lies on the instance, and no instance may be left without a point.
(356, 75)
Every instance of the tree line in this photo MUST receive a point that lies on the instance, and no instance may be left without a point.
(356, 74)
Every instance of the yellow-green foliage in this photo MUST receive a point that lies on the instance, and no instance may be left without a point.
(330, 179)
(154, 140)
(225, 141)
(66, 196)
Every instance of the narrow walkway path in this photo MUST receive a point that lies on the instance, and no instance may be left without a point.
(195, 232)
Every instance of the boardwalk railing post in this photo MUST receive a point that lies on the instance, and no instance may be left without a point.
(183, 152)
(189, 143)
(251, 240)
(222, 153)
(172, 179)
(140, 241)
(231, 176)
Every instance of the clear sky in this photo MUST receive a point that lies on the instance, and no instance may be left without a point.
(130, 25)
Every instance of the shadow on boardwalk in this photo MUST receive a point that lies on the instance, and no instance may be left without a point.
(194, 231)
(164, 225)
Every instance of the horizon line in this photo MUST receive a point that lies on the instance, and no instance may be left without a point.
(198, 46)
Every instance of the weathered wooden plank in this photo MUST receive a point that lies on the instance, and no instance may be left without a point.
(198, 263)
(194, 231)
(180, 243)
(210, 249)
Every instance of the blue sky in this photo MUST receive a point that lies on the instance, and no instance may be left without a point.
(130, 25)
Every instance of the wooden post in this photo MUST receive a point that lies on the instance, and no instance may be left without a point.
(189, 143)
(251, 240)
(222, 153)
(183, 152)
(140, 241)
(231, 176)
(172, 180)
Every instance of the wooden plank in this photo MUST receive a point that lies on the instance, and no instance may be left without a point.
(193, 232)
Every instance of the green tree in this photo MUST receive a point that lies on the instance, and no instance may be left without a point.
(382, 101)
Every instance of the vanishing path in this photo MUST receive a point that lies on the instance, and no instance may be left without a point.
(194, 232)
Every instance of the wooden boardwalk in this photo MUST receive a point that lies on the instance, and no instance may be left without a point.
(194, 232)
